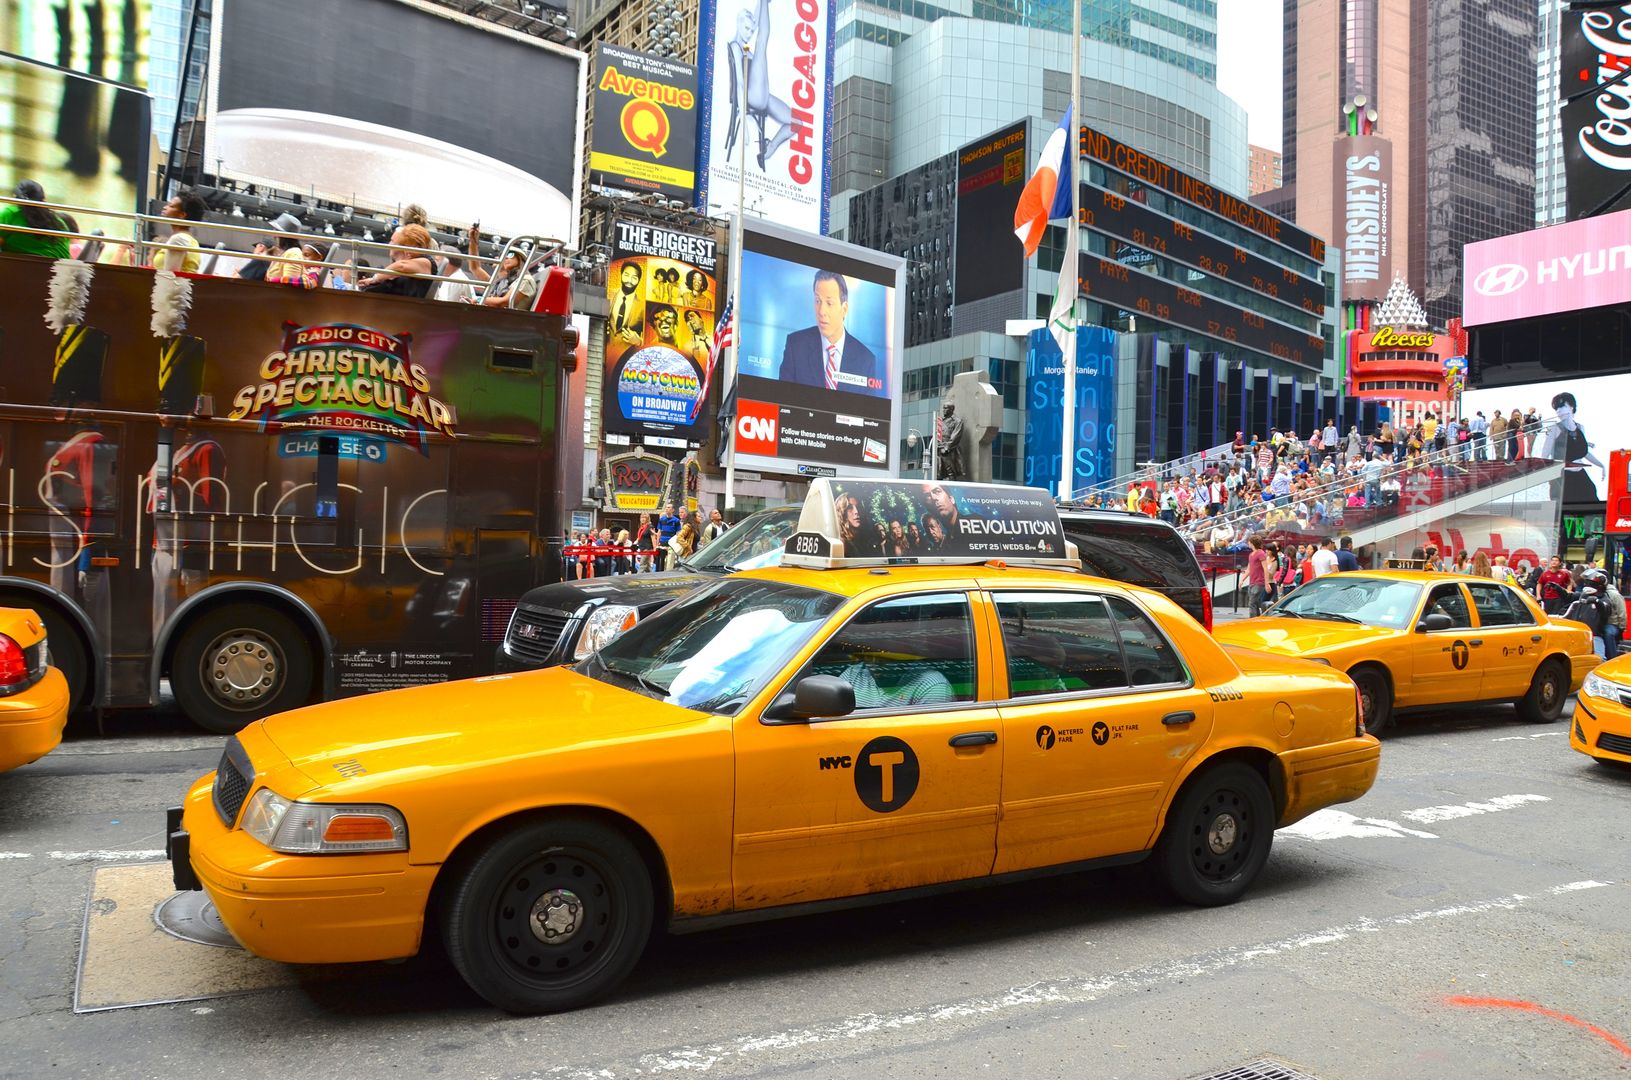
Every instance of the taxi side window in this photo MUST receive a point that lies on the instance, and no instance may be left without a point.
(1059, 642)
(1498, 607)
(1447, 600)
(910, 650)
(1150, 660)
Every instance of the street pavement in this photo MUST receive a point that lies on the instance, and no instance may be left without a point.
(1467, 918)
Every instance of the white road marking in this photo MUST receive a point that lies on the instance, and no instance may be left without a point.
(1339, 825)
(1526, 738)
(703, 1058)
(141, 855)
(1430, 814)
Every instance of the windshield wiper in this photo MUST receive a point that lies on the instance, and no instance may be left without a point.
(1285, 614)
(1330, 615)
(648, 684)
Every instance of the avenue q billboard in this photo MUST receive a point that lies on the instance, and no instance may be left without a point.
(820, 342)
(319, 97)
(645, 132)
(767, 75)
(1364, 177)
(1568, 267)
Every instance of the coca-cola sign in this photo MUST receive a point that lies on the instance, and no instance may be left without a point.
(1595, 54)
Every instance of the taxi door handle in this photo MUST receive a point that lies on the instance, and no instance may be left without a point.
(1178, 718)
(1476, 642)
(974, 738)
(1535, 638)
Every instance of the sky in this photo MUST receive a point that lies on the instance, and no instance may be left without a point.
(1249, 63)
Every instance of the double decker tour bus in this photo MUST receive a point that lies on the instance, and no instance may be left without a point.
(267, 495)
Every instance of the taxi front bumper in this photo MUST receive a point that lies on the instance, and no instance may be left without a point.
(300, 909)
(31, 721)
(1321, 776)
(1601, 729)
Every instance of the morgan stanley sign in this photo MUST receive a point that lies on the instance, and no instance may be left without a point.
(1569, 267)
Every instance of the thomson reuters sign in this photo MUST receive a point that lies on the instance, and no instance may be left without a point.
(645, 131)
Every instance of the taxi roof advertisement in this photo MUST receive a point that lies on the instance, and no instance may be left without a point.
(872, 519)
(644, 136)
(662, 292)
(820, 341)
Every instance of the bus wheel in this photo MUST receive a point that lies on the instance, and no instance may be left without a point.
(238, 663)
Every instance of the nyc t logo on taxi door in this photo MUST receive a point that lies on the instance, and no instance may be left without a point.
(886, 774)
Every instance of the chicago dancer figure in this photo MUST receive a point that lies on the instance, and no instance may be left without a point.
(750, 84)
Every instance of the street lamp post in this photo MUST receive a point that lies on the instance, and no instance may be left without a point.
(913, 435)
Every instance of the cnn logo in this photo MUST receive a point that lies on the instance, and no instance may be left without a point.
(756, 427)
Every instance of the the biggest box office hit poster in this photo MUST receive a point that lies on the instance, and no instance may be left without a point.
(663, 297)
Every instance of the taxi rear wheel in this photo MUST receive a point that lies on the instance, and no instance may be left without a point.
(1543, 704)
(1217, 836)
(549, 916)
(1375, 698)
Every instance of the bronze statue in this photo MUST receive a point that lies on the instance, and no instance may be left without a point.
(949, 446)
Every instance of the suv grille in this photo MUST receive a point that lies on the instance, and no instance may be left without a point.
(534, 634)
(1614, 744)
(233, 777)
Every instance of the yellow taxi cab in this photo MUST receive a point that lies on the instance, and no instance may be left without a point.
(837, 730)
(33, 695)
(1602, 714)
(1412, 638)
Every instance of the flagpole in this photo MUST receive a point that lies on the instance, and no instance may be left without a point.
(736, 307)
(1067, 470)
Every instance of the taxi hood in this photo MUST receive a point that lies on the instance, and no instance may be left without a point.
(1297, 637)
(449, 726)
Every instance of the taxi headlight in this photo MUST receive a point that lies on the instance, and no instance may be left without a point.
(300, 828)
(605, 623)
(1598, 687)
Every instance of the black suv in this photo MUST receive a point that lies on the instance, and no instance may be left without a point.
(556, 624)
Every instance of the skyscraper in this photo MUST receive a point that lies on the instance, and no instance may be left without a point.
(1551, 205)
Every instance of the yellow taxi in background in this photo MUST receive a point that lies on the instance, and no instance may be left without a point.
(33, 695)
(846, 727)
(1411, 638)
(1602, 714)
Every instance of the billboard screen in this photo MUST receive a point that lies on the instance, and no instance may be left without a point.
(1095, 409)
(990, 260)
(372, 128)
(645, 132)
(1595, 47)
(85, 141)
(1594, 418)
(820, 342)
(1568, 267)
(102, 40)
(1364, 175)
(766, 80)
(662, 290)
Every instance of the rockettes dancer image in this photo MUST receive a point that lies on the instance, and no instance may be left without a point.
(750, 84)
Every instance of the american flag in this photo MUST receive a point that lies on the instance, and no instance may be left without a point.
(724, 334)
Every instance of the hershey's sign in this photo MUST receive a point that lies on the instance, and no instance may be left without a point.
(1364, 174)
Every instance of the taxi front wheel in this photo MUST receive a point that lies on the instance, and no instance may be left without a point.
(549, 916)
(1543, 704)
(1217, 836)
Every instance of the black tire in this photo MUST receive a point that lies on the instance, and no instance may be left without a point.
(236, 664)
(498, 944)
(1543, 704)
(1376, 698)
(1217, 835)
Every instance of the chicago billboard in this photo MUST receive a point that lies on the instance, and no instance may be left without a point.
(662, 290)
(820, 342)
(1095, 442)
(645, 132)
(1568, 267)
(1364, 175)
(1595, 50)
(990, 260)
(767, 109)
(370, 130)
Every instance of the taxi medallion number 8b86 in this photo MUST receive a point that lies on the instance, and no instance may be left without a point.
(840, 727)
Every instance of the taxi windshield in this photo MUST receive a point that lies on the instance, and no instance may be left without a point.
(1352, 598)
(716, 648)
(751, 544)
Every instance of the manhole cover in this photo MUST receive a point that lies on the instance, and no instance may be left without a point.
(191, 917)
(1261, 1069)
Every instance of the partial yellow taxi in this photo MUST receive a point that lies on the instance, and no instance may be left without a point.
(833, 731)
(1602, 714)
(1411, 638)
(33, 695)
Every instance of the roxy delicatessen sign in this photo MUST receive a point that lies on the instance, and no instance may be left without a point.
(345, 378)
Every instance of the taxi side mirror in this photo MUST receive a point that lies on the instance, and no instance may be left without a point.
(1436, 621)
(813, 698)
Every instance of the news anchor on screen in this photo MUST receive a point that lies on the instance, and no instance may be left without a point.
(826, 354)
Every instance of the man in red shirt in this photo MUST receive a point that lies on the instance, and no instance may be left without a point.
(1256, 582)
(1554, 586)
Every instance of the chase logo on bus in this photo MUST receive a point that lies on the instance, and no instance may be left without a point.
(347, 378)
(658, 385)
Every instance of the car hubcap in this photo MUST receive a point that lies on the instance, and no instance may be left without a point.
(1221, 837)
(554, 916)
(242, 669)
(1548, 691)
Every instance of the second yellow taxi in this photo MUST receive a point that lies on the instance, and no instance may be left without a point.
(1410, 638)
(833, 731)
(1602, 714)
